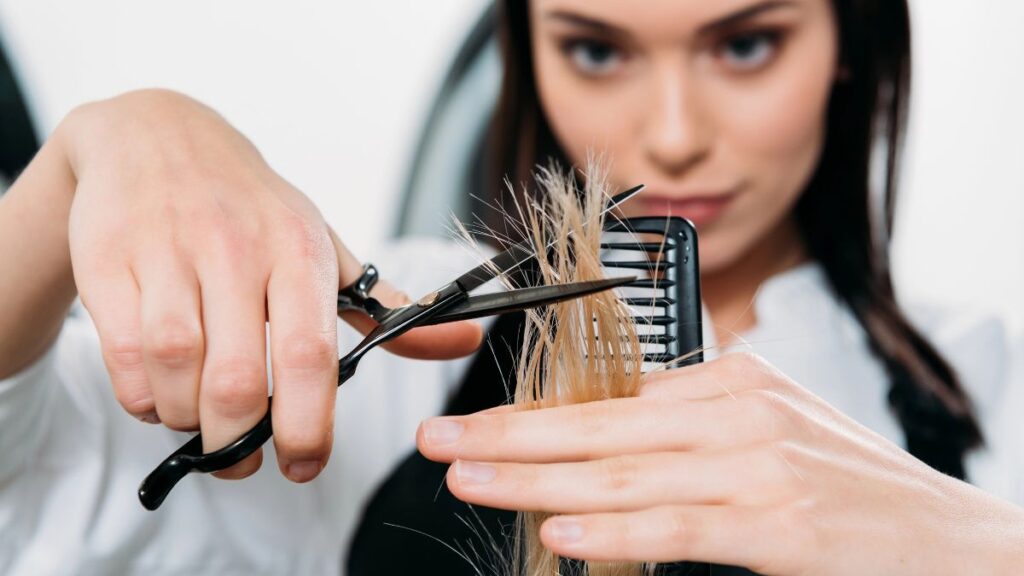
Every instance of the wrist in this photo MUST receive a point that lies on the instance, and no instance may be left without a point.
(37, 284)
(102, 130)
(167, 132)
(985, 534)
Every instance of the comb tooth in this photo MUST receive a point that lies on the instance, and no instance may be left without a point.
(651, 283)
(654, 320)
(648, 339)
(639, 246)
(662, 339)
(649, 301)
(660, 266)
(659, 358)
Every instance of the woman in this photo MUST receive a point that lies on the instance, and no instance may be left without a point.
(757, 121)
(181, 243)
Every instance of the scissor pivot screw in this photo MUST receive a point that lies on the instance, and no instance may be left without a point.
(429, 299)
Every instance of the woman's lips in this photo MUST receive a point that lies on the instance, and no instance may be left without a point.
(701, 210)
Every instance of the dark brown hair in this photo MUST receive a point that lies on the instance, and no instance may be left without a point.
(18, 142)
(845, 220)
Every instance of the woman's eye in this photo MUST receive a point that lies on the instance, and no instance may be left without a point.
(749, 51)
(593, 57)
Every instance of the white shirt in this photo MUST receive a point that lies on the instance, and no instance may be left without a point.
(71, 459)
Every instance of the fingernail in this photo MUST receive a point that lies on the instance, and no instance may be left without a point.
(440, 431)
(474, 473)
(303, 471)
(565, 530)
(149, 417)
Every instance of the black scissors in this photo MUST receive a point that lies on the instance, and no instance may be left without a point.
(448, 303)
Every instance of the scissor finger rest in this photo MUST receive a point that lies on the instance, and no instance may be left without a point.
(190, 458)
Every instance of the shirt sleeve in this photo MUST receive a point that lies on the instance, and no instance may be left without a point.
(24, 403)
(60, 395)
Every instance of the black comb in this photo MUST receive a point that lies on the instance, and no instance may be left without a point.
(666, 297)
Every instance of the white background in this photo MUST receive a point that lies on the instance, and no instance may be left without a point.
(334, 94)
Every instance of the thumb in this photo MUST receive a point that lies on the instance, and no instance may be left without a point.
(440, 342)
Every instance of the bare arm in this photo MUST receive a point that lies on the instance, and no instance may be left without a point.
(36, 283)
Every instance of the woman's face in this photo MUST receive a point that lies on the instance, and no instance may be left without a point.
(717, 106)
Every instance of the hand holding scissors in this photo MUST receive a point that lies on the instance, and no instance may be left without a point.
(449, 303)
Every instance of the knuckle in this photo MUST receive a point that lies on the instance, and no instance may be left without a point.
(591, 418)
(308, 352)
(123, 358)
(767, 375)
(768, 410)
(123, 353)
(785, 459)
(175, 343)
(734, 361)
(749, 359)
(787, 450)
(620, 474)
(743, 364)
(659, 383)
(730, 368)
(761, 402)
(799, 519)
(678, 531)
(236, 388)
(304, 239)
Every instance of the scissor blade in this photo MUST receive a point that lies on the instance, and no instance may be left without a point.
(503, 262)
(511, 301)
(622, 197)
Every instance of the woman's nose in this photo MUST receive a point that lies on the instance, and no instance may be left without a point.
(676, 133)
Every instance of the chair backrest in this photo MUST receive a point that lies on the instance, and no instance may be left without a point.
(18, 141)
(450, 151)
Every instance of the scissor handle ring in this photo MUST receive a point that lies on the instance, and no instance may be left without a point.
(356, 296)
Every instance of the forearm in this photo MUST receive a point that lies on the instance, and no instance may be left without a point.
(36, 282)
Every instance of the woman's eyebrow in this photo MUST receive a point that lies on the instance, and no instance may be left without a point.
(745, 14)
(727, 21)
(593, 24)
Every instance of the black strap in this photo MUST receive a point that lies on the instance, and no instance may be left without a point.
(18, 142)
